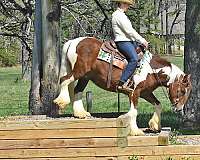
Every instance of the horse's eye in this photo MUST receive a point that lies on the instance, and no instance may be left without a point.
(180, 92)
(183, 92)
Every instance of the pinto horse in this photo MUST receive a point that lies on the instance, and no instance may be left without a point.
(80, 62)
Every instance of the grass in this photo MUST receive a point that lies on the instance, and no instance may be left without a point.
(14, 98)
(13, 92)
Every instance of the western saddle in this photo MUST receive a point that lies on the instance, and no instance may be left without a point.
(110, 47)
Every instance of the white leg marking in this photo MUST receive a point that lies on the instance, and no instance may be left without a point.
(69, 52)
(154, 122)
(79, 110)
(135, 131)
(63, 99)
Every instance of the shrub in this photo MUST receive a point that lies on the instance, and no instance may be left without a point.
(9, 55)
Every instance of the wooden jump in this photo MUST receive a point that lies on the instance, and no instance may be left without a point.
(30, 138)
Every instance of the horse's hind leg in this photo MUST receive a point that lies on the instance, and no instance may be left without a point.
(155, 121)
(78, 108)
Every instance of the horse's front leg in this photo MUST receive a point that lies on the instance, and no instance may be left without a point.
(78, 107)
(155, 121)
(135, 131)
(64, 98)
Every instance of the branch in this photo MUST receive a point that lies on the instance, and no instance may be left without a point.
(4, 11)
(174, 21)
(102, 9)
(104, 13)
(20, 37)
(18, 7)
(76, 20)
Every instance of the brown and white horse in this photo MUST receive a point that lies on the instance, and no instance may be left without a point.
(79, 62)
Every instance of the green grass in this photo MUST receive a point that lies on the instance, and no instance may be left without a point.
(14, 98)
(13, 92)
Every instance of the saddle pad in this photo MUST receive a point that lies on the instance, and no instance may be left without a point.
(104, 56)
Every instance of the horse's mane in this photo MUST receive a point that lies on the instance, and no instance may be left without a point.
(158, 62)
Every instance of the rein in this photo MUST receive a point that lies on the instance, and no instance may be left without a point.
(166, 93)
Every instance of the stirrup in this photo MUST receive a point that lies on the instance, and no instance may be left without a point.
(125, 88)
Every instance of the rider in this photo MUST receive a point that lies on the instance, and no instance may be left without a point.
(125, 39)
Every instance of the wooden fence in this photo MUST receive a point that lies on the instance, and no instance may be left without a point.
(44, 138)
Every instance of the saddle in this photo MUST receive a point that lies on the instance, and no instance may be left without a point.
(116, 58)
(111, 48)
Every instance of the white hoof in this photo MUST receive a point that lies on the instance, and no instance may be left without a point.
(61, 102)
(155, 126)
(82, 114)
(136, 132)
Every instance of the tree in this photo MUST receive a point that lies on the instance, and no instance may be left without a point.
(192, 61)
(16, 22)
(46, 58)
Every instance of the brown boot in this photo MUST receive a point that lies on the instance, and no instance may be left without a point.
(124, 87)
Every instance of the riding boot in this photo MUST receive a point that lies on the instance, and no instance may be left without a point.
(123, 86)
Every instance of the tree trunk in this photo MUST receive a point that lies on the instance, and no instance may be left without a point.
(192, 62)
(46, 58)
(167, 25)
(26, 67)
(162, 25)
(35, 104)
(171, 38)
(50, 56)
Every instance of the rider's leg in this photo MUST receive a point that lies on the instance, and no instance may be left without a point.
(128, 50)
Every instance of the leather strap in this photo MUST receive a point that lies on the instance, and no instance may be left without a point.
(110, 71)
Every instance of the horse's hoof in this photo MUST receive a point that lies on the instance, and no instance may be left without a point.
(136, 132)
(82, 114)
(153, 125)
(60, 102)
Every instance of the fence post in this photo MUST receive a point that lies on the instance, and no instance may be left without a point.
(118, 102)
(89, 100)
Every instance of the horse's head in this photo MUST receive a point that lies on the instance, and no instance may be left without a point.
(179, 92)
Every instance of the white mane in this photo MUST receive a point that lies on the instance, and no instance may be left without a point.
(145, 69)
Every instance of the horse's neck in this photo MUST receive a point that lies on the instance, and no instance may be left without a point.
(175, 72)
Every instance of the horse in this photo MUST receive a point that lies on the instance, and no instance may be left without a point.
(79, 62)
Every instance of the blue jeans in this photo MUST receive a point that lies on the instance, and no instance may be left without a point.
(127, 48)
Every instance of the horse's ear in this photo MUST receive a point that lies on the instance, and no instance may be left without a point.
(186, 78)
(161, 72)
(189, 77)
(181, 78)
(176, 79)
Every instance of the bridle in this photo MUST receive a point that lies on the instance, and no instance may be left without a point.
(166, 92)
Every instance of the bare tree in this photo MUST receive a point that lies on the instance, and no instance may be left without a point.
(192, 62)
(176, 13)
(46, 58)
(17, 24)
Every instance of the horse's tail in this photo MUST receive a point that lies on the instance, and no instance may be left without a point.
(65, 66)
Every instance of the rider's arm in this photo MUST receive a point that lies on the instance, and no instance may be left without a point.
(125, 25)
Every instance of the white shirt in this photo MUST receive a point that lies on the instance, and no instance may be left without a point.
(122, 28)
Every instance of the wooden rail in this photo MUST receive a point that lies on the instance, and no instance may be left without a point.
(30, 138)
